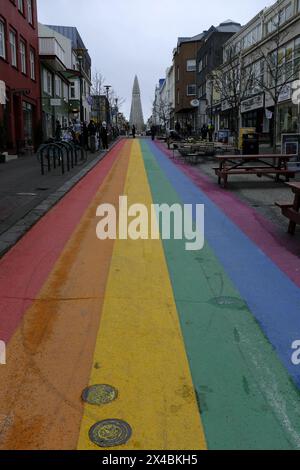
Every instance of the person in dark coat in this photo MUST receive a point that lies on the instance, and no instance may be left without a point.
(204, 131)
(133, 131)
(85, 135)
(58, 131)
(103, 133)
(153, 132)
(177, 127)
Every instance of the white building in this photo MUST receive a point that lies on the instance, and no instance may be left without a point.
(272, 35)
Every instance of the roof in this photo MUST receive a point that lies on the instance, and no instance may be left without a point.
(198, 37)
(72, 33)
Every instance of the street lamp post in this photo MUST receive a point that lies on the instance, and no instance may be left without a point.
(117, 110)
(107, 87)
(80, 55)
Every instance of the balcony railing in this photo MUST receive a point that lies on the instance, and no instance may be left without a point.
(51, 47)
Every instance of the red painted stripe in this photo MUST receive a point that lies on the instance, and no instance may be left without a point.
(277, 245)
(24, 269)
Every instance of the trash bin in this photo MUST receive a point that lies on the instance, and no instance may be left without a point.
(250, 144)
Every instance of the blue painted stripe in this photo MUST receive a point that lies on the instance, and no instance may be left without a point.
(271, 296)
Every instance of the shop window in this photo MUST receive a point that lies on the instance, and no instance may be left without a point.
(288, 120)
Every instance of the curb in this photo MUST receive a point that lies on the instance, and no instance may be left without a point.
(11, 236)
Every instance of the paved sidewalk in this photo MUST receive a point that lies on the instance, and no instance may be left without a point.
(26, 195)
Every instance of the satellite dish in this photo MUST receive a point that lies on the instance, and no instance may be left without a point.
(195, 103)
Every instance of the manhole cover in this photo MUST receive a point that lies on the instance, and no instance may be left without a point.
(99, 394)
(229, 302)
(110, 433)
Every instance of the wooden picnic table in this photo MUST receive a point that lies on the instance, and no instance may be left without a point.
(292, 210)
(252, 164)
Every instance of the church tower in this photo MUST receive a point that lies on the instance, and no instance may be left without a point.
(136, 113)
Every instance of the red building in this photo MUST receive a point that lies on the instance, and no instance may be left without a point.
(20, 117)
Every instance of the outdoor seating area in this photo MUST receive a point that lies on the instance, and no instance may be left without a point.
(291, 210)
(267, 164)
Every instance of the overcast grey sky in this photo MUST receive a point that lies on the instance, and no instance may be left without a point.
(128, 37)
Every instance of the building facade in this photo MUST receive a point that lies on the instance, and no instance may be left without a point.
(267, 50)
(79, 74)
(55, 60)
(20, 116)
(210, 56)
(184, 63)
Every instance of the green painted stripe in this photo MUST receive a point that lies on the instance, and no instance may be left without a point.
(246, 398)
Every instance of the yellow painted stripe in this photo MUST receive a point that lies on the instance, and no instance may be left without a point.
(140, 346)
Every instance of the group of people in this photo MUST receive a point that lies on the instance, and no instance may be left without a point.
(208, 130)
(84, 134)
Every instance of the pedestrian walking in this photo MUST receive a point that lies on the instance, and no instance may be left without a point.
(103, 134)
(211, 130)
(133, 131)
(204, 131)
(153, 132)
(85, 136)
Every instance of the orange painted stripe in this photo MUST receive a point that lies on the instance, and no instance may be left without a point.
(50, 356)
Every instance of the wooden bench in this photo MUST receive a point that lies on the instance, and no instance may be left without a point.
(252, 164)
(292, 210)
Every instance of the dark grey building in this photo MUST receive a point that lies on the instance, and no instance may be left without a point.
(210, 56)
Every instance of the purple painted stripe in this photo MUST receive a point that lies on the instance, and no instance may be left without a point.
(278, 246)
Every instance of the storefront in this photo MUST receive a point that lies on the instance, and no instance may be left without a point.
(288, 120)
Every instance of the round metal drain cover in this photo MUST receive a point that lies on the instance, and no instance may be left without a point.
(110, 433)
(99, 394)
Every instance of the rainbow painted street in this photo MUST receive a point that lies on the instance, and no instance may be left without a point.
(195, 346)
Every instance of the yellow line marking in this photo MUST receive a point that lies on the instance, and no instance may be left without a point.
(140, 348)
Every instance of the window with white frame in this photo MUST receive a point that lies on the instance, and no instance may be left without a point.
(47, 79)
(191, 65)
(23, 56)
(29, 12)
(58, 86)
(13, 48)
(2, 40)
(72, 90)
(191, 90)
(21, 6)
(32, 64)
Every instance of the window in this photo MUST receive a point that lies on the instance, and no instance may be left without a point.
(32, 65)
(13, 48)
(29, 11)
(58, 86)
(21, 6)
(178, 97)
(200, 68)
(65, 91)
(47, 82)
(23, 56)
(72, 90)
(191, 65)
(191, 90)
(178, 74)
(2, 40)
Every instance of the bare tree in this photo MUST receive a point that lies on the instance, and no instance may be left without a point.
(97, 91)
(232, 82)
(162, 110)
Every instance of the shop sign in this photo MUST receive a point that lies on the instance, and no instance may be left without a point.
(2, 92)
(255, 102)
(290, 144)
(55, 102)
(225, 105)
(285, 93)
